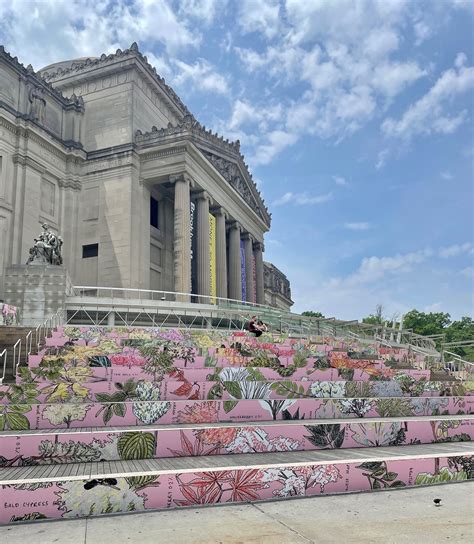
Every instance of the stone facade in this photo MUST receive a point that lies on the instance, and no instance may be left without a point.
(277, 287)
(129, 178)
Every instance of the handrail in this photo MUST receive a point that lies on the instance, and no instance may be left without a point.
(3, 355)
(16, 356)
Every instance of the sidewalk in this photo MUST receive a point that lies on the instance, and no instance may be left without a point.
(394, 517)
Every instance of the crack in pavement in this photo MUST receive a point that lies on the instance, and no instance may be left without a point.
(284, 524)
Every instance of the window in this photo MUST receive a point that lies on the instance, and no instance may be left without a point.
(91, 250)
(154, 213)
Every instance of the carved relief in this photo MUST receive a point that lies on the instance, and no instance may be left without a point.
(37, 104)
(276, 282)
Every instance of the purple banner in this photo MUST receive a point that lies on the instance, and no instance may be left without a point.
(242, 267)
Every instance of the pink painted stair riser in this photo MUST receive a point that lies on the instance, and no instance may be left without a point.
(201, 374)
(234, 390)
(84, 498)
(183, 441)
(120, 414)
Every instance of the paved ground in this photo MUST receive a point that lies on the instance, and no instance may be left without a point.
(402, 516)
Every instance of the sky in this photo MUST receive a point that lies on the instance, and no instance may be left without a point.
(355, 118)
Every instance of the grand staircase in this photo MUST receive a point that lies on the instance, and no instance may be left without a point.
(120, 420)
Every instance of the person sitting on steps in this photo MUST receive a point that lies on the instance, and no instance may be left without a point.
(255, 327)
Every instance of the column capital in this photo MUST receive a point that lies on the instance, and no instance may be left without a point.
(219, 211)
(202, 195)
(182, 177)
(247, 236)
(258, 246)
(234, 225)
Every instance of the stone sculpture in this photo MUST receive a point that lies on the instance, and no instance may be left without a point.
(47, 248)
(38, 104)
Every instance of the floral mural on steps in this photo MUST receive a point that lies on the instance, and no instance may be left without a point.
(79, 447)
(125, 377)
(88, 498)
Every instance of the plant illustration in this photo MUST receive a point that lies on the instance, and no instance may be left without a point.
(145, 411)
(276, 406)
(138, 445)
(379, 476)
(358, 407)
(114, 403)
(65, 414)
(297, 480)
(12, 417)
(325, 436)
(394, 407)
(378, 434)
(195, 448)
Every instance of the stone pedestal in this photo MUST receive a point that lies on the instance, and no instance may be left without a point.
(39, 291)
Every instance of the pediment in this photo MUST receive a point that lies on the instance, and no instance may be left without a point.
(238, 177)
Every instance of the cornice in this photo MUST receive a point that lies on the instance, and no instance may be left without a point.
(30, 76)
(82, 67)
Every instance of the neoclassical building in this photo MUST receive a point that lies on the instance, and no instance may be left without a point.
(277, 287)
(144, 196)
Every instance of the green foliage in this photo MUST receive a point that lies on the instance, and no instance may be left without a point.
(136, 445)
(313, 314)
(325, 436)
(12, 417)
(230, 405)
(426, 323)
(379, 476)
(158, 359)
(444, 475)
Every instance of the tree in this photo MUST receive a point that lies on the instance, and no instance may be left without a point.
(461, 331)
(313, 314)
(426, 324)
(376, 318)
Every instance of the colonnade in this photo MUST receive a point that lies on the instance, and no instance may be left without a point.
(228, 256)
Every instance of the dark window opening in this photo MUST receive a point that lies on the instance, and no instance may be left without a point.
(154, 212)
(91, 250)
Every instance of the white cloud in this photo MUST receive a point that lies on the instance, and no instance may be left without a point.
(428, 115)
(302, 199)
(357, 226)
(204, 10)
(375, 268)
(456, 249)
(468, 272)
(202, 76)
(434, 307)
(446, 174)
(261, 16)
(339, 180)
(381, 158)
(275, 142)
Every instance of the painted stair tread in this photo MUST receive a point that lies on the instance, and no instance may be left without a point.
(106, 469)
(234, 424)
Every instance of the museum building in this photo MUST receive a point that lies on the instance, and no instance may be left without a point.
(143, 195)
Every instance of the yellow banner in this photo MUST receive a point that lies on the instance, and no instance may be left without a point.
(212, 255)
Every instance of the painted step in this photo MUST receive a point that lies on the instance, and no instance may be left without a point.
(92, 489)
(119, 413)
(99, 391)
(160, 441)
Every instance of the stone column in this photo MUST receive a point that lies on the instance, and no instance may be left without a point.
(248, 266)
(258, 252)
(221, 254)
(182, 237)
(235, 272)
(202, 248)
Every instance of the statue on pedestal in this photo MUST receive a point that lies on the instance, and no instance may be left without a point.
(47, 248)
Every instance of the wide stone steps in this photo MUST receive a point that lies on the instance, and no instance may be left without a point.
(53, 446)
(92, 489)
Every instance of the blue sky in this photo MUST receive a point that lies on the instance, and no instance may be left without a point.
(354, 117)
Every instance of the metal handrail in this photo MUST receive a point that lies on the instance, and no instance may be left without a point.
(3, 355)
(16, 356)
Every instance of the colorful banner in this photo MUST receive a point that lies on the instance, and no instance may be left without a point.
(254, 283)
(193, 287)
(212, 258)
(242, 267)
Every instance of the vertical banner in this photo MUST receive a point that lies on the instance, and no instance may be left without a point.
(254, 274)
(242, 267)
(193, 287)
(212, 258)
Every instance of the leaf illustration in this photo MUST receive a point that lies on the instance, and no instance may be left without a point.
(136, 446)
(230, 405)
(325, 436)
(233, 389)
(17, 422)
(139, 482)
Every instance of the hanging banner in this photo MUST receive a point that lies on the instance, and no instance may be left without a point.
(242, 267)
(212, 258)
(254, 283)
(193, 286)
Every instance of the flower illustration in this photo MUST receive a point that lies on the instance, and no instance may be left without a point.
(59, 414)
(126, 359)
(296, 480)
(386, 389)
(359, 407)
(230, 374)
(216, 435)
(328, 389)
(250, 440)
(200, 412)
(77, 501)
(148, 411)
